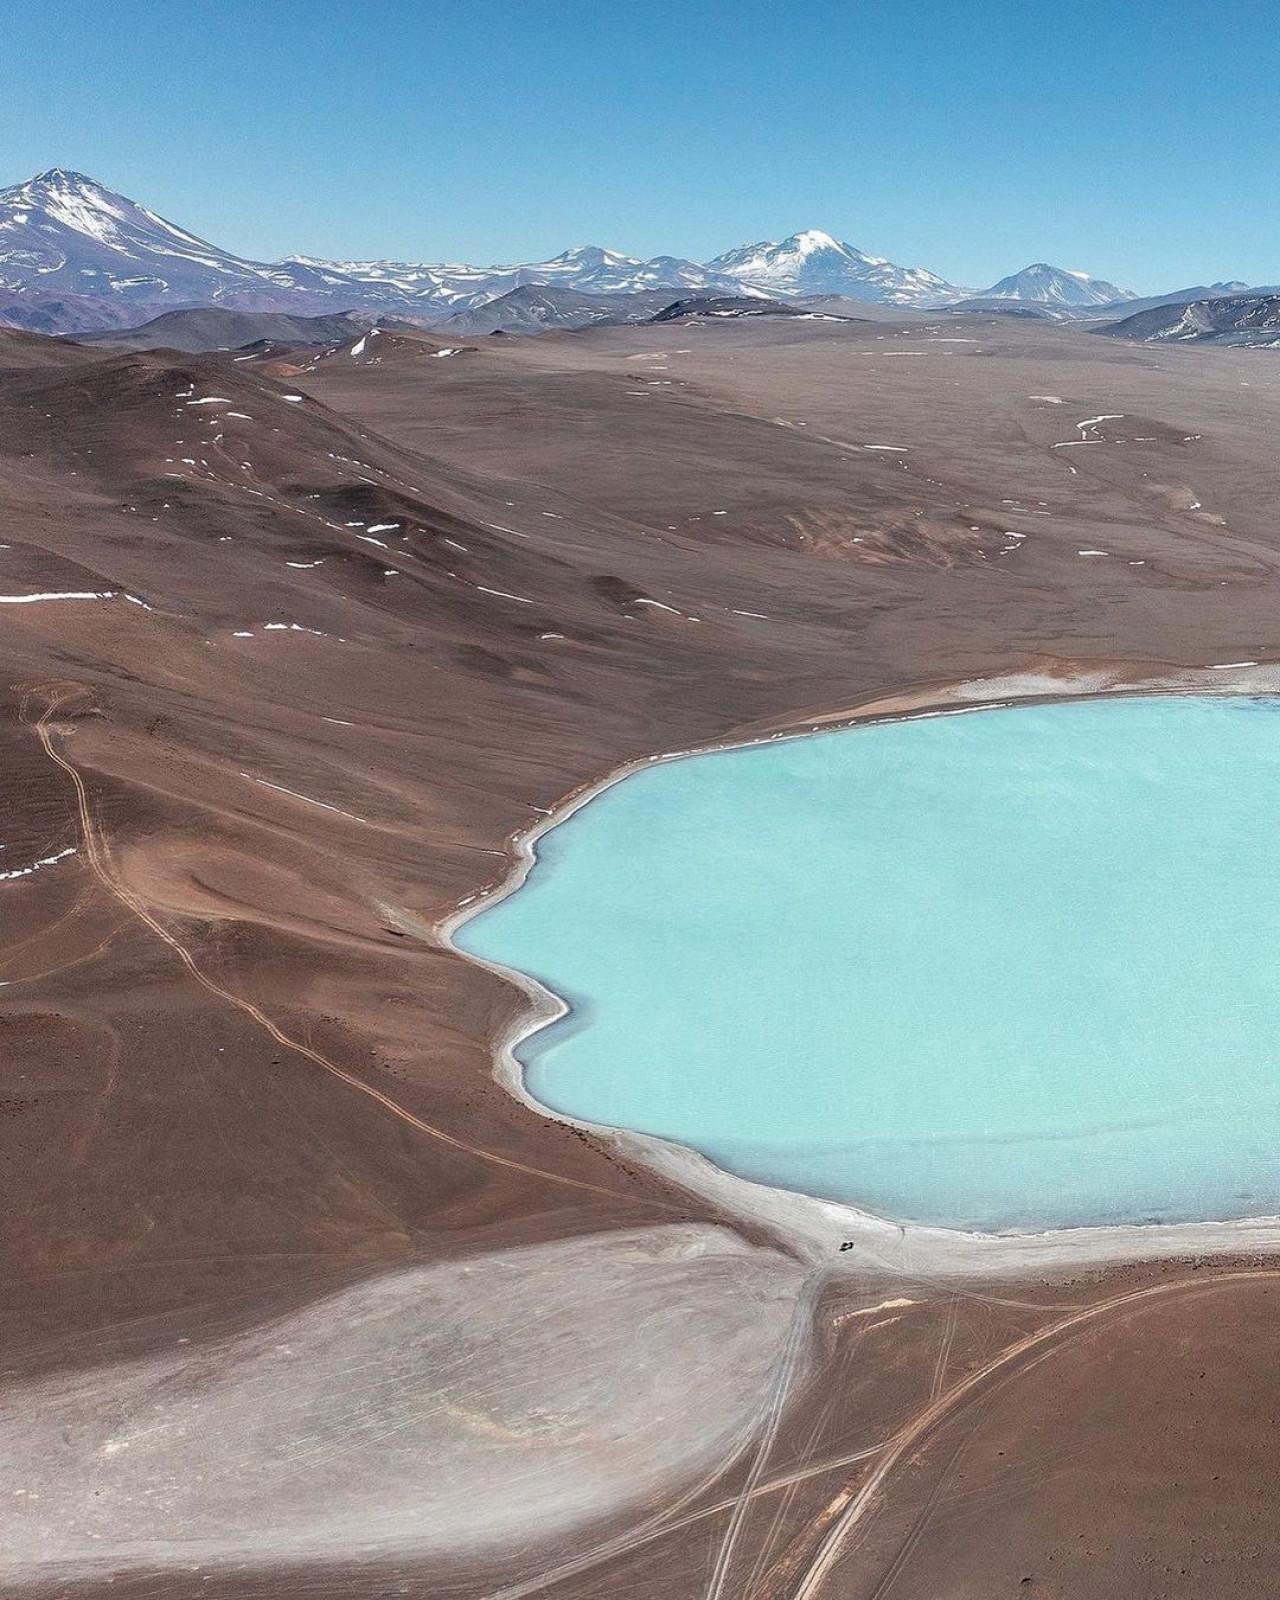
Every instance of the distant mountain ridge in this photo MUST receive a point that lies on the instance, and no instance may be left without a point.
(537, 308)
(64, 235)
(204, 328)
(76, 256)
(1057, 286)
(1246, 319)
(587, 269)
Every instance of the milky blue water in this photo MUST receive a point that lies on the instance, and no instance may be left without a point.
(1014, 969)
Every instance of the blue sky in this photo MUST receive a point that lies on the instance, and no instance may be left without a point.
(1136, 141)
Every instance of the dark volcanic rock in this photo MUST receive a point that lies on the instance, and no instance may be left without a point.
(728, 305)
(212, 328)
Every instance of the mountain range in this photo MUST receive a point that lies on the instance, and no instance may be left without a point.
(1249, 319)
(75, 256)
(813, 262)
(535, 308)
(1056, 286)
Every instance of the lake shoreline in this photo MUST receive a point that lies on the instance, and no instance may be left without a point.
(834, 1233)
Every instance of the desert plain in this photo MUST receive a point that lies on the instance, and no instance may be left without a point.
(298, 1297)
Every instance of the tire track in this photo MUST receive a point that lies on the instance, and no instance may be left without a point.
(860, 1505)
(98, 857)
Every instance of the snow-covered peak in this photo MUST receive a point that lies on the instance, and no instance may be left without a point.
(815, 262)
(61, 179)
(70, 200)
(62, 232)
(812, 239)
(58, 178)
(1047, 285)
(592, 256)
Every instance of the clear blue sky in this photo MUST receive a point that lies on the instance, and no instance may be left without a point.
(1135, 140)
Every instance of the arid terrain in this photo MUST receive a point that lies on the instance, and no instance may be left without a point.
(296, 1297)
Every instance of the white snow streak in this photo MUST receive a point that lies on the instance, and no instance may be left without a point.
(71, 594)
(45, 861)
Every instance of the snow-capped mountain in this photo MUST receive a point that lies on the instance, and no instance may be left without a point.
(1044, 284)
(62, 234)
(814, 263)
(75, 255)
(588, 269)
(591, 270)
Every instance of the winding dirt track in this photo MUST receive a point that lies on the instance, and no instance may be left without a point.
(863, 1500)
(97, 854)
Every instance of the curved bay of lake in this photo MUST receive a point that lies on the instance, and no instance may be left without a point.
(1013, 970)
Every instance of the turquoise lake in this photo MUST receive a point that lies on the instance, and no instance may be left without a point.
(1016, 969)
